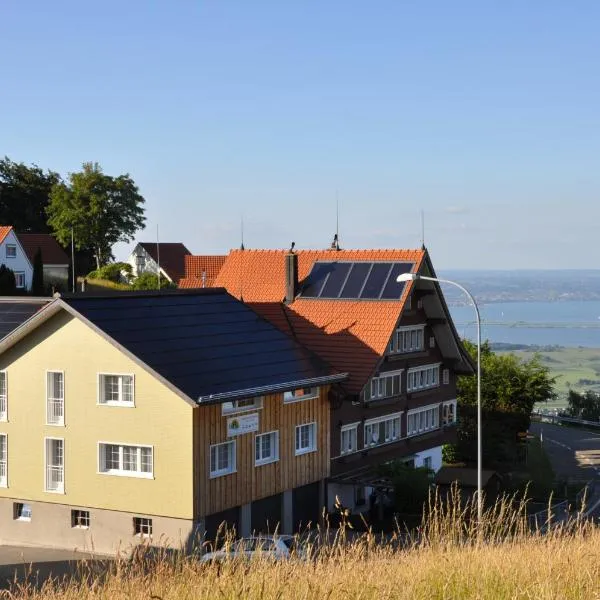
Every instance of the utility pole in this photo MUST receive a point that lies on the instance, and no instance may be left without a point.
(73, 259)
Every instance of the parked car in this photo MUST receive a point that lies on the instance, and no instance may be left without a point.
(275, 547)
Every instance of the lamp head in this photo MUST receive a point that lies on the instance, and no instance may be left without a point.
(407, 277)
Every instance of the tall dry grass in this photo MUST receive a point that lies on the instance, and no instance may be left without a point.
(451, 557)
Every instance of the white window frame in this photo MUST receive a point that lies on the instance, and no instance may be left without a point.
(424, 377)
(4, 397)
(445, 376)
(312, 447)
(377, 386)
(100, 388)
(445, 416)
(274, 457)
(232, 455)
(289, 398)
(353, 428)
(426, 418)
(407, 339)
(144, 523)
(20, 280)
(377, 421)
(59, 423)
(4, 462)
(139, 474)
(76, 522)
(60, 489)
(23, 505)
(12, 247)
(232, 408)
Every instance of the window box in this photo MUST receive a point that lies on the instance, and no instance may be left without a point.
(116, 389)
(222, 459)
(306, 438)
(241, 406)
(126, 460)
(266, 448)
(300, 394)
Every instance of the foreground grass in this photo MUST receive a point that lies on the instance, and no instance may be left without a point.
(449, 560)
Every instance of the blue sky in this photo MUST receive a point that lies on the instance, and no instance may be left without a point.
(485, 115)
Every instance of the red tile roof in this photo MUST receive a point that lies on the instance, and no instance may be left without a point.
(52, 253)
(351, 335)
(172, 257)
(201, 271)
(4, 231)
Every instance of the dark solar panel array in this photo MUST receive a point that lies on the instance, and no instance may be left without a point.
(356, 280)
(203, 343)
(14, 314)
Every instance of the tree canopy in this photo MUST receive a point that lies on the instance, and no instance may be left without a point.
(102, 210)
(509, 389)
(24, 195)
(584, 406)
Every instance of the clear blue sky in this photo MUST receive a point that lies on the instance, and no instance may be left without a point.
(484, 114)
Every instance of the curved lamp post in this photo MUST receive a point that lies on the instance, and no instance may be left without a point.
(405, 277)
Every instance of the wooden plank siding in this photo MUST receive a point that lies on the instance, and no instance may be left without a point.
(251, 483)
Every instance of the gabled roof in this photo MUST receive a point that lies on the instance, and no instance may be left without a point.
(204, 344)
(201, 271)
(52, 253)
(172, 257)
(351, 335)
(4, 231)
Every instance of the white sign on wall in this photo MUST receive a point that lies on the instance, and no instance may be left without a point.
(242, 424)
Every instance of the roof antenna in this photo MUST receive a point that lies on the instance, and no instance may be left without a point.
(335, 244)
(422, 230)
(242, 263)
(157, 258)
(242, 244)
(292, 247)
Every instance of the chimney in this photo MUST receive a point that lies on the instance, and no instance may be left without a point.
(291, 276)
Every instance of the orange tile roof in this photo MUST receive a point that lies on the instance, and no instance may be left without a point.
(4, 231)
(350, 335)
(201, 271)
(259, 275)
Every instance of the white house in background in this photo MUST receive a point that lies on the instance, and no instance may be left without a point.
(15, 258)
(147, 255)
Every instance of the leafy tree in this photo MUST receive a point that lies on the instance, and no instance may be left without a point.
(37, 284)
(8, 285)
(149, 281)
(113, 272)
(584, 406)
(411, 485)
(509, 390)
(102, 210)
(24, 195)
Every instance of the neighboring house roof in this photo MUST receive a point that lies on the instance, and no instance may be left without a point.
(464, 476)
(14, 312)
(352, 335)
(4, 231)
(201, 271)
(52, 253)
(172, 257)
(204, 343)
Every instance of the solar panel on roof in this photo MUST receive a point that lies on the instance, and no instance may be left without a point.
(336, 280)
(375, 281)
(356, 280)
(315, 280)
(392, 289)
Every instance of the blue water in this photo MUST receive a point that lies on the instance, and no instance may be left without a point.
(572, 324)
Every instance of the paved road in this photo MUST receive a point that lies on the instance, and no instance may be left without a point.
(574, 453)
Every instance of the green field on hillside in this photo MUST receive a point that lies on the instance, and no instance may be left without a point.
(574, 368)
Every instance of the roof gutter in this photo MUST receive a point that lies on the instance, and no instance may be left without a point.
(273, 389)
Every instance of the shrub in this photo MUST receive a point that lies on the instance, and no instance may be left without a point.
(8, 285)
(116, 272)
(149, 281)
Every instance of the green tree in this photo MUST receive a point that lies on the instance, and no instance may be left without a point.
(37, 283)
(24, 195)
(149, 281)
(509, 389)
(102, 210)
(411, 485)
(8, 285)
(584, 406)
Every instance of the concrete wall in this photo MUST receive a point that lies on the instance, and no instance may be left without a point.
(160, 419)
(109, 531)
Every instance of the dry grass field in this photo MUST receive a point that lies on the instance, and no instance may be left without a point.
(452, 559)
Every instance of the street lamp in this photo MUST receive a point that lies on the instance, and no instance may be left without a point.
(414, 277)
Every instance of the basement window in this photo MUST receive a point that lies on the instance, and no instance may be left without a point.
(80, 519)
(21, 511)
(142, 526)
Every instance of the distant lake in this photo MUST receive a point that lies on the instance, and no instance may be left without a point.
(572, 324)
